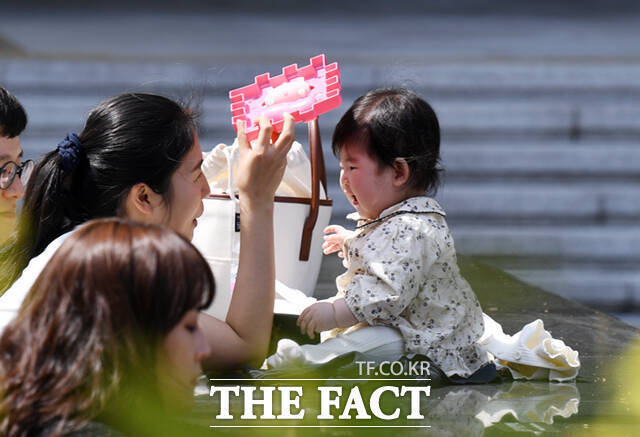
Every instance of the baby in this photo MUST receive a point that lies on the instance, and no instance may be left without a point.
(401, 262)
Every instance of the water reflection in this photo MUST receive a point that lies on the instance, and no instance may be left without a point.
(469, 410)
(517, 406)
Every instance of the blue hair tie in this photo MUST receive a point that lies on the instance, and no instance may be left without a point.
(69, 151)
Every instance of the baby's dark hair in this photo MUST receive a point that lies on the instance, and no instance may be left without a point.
(395, 123)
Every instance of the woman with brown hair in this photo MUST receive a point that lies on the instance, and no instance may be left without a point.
(107, 335)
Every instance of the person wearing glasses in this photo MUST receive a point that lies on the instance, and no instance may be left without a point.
(13, 172)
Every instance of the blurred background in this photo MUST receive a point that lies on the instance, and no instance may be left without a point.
(539, 104)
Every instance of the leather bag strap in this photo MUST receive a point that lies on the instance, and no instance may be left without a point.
(318, 176)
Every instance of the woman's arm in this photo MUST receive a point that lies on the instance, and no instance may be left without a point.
(244, 338)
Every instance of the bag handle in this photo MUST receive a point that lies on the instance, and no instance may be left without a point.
(229, 154)
(318, 175)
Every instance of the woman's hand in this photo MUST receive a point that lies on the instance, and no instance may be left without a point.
(334, 239)
(244, 336)
(262, 163)
(317, 318)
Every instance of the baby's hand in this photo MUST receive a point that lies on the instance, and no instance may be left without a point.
(334, 240)
(317, 318)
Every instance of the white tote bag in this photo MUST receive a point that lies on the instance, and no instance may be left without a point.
(298, 226)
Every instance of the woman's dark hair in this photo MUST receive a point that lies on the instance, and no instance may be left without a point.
(13, 119)
(395, 123)
(87, 334)
(127, 139)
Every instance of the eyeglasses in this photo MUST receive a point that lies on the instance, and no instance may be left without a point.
(10, 169)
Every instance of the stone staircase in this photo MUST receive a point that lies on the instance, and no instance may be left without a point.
(542, 157)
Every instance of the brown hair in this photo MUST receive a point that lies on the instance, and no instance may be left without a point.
(92, 322)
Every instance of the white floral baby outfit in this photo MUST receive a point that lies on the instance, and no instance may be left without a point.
(403, 273)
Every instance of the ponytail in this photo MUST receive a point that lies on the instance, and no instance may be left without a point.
(47, 213)
(127, 139)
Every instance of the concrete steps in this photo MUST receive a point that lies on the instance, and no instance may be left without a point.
(540, 155)
(522, 121)
(606, 288)
(535, 204)
(561, 76)
(563, 160)
(587, 242)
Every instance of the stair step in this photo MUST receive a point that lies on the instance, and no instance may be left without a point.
(428, 72)
(528, 159)
(583, 242)
(512, 119)
(569, 241)
(604, 285)
(536, 202)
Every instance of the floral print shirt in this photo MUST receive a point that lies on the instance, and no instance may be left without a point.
(403, 273)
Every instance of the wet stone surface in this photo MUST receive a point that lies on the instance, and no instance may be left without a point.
(602, 401)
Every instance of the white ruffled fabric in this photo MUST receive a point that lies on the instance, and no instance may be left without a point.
(296, 180)
(290, 301)
(532, 353)
(378, 343)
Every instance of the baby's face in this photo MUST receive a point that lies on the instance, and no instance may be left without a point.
(369, 187)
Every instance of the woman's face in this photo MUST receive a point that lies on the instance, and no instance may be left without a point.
(188, 187)
(179, 361)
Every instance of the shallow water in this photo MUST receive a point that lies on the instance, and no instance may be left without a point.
(509, 408)
(603, 401)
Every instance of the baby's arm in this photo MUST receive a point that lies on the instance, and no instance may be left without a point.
(334, 240)
(322, 316)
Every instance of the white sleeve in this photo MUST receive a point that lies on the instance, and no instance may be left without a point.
(12, 299)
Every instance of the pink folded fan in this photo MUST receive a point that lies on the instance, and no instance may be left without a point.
(304, 92)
